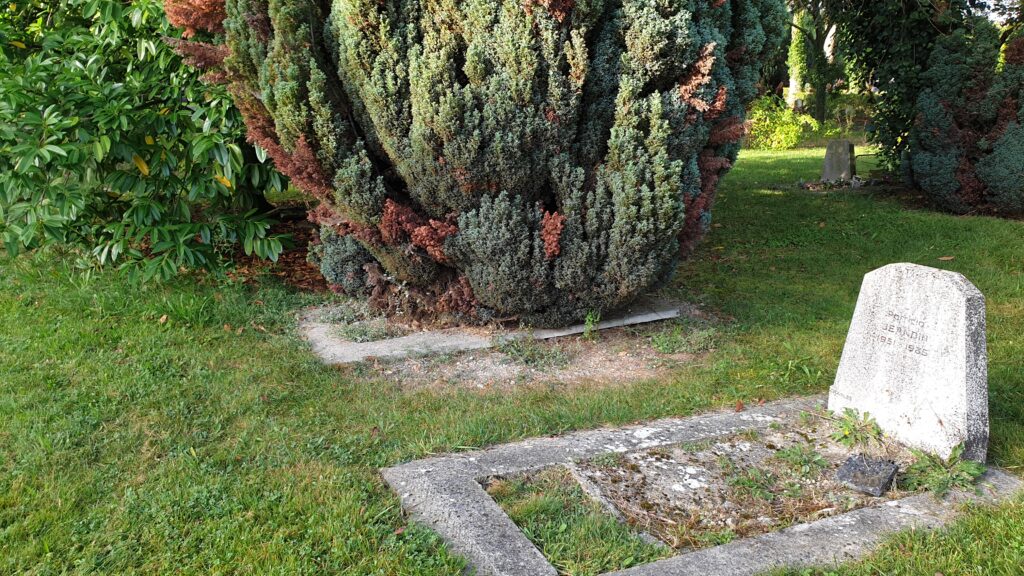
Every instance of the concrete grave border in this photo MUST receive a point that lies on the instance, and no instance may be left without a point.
(446, 494)
(334, 350)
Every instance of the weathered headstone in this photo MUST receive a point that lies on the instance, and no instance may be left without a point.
(916, 360)
(840, 161)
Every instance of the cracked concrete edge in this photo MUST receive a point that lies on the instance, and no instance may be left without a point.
(471, 523)
(594, 493)
(655, 312)
(445, 493)
(537, 453)
(334, 350)
(830, 541)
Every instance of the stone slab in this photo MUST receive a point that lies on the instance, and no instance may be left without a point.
(335, 350)
(840, 161)
(868, 475)
(446, 494)
(916, 360)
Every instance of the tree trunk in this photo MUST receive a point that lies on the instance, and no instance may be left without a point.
(821, 102)
(818, 62)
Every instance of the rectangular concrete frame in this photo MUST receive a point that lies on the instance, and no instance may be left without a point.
(334, 350)
(446, 494)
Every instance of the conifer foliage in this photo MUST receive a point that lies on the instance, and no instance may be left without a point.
(530, 159)
(967, 145)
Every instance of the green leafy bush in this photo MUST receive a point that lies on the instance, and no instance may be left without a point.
(850, 110)
(111, 144)
(774, 126)
(967, 144)
(532, 159)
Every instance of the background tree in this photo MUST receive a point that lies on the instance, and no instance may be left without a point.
(110, 143)
(498, 158)
(949, 108)
(1010, 13)
(809, 52)
(890, 44)
(967, 143)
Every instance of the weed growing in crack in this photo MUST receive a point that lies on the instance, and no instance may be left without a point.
(590, 326)
(696, 446)
(803, 459)
(609, 460)
(750, 435)
(938, 476)
(753, 483)
(370, 330)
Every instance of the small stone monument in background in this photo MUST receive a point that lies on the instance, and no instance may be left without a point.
(840, 161)
(916, 360)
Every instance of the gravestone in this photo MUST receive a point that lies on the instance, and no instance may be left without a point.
(916, 360)
(840, 161)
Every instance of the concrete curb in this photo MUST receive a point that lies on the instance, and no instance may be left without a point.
(334, 350)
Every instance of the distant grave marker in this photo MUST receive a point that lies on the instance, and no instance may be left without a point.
(916, 360)
(840, 161)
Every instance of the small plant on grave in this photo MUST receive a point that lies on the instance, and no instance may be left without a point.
(750, 435)
(853, 429)
(753, 483)
(529, 352)
(793, 490)
(590, 325)
(696, 446)
(680, 339)
(369, 330)
(803, 459)
(712, 538)
(660, 453)
(808, 418)
(609, 460)
(933, 474)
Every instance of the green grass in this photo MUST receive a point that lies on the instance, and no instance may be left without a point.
(684, 338)
(131, 445)
(574, 533)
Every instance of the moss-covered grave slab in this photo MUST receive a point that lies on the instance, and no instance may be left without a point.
(449, 495)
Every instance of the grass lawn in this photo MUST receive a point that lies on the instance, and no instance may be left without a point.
(186, 429)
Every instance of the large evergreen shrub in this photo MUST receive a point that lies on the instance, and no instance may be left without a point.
(532, 159)
(967, 146)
